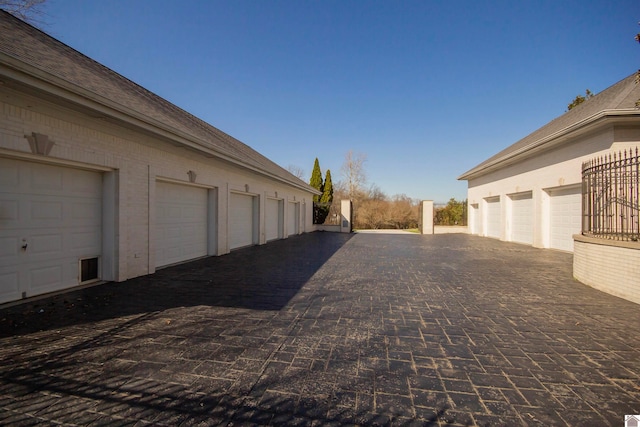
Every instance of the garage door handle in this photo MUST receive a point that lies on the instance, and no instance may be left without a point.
(24, 247)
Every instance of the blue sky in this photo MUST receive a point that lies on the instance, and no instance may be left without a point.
(425, 89)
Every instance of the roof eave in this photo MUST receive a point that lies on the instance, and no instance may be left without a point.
(38, 79)
(589, 124)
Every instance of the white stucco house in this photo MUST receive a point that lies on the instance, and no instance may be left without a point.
(530, 192)
(102, 180)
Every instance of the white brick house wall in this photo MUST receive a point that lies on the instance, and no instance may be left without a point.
(136, 160)
(555, 168)
(609, 266)
(538, 178)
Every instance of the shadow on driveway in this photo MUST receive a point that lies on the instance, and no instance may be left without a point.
(262, 277)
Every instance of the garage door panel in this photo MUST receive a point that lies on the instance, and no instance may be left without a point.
(45, 244)
(85, 213)
(173, 251)
(241, 220)
(273, 219)
(522, 218)
(46, 179)
(10, 174)
(9, 286)
(294, 218)
(82, 187)
(8, 248)
(493, 219)
(181, 223)
(171, 233)
(46, 278)
(191, 231)
(41, 211)
(9, 212)
(56, 212)
(172, 213)
(190, 213)
(565, 217)
(85, 242)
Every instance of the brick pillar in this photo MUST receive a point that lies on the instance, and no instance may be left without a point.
(346, 216)
(426, 217)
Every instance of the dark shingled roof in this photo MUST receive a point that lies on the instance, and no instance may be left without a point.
(57, 62)
(622, 96)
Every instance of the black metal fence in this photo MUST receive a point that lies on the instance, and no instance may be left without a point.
(611, 196)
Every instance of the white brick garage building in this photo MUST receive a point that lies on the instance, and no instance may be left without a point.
(531, 191)
(102, 180)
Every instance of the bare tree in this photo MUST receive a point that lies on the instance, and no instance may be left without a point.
(30, 11)
(376, 193)
(403, 212)
(296, 171)
(353, 173)
(372, 213)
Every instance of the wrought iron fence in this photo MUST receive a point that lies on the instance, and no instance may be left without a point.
(611, 196)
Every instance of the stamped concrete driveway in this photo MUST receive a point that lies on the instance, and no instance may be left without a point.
(321, 329)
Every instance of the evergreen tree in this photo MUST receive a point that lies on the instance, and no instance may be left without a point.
(327, 191)
(323, 207)
(316, 179)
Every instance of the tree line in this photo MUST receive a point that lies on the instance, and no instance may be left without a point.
(372, 208)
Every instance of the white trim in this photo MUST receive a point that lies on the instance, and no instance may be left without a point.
(18, 155)
(180, 182)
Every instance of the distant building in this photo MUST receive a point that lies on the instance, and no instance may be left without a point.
(530, 192)
(101, 179)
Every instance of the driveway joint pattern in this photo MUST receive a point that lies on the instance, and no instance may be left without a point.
(330, 329)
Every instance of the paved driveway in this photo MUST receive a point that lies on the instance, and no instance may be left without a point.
(324, 329)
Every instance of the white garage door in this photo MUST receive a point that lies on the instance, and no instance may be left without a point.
(181, 223)
(294, 218)
(522, 218)
(565, 217)
(492, 217)
(50, 218)
(242, 220)
(273, 219)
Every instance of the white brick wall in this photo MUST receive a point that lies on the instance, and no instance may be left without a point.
(553, 169)
(138, 159)
(612, 269)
